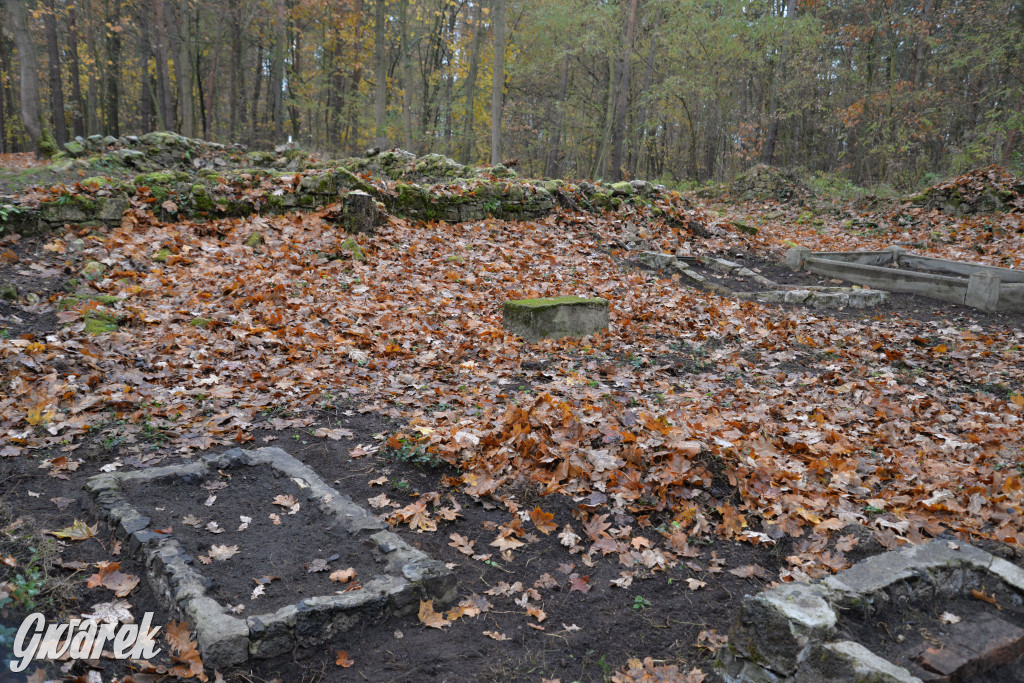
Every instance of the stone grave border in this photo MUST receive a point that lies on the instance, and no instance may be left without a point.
(813, 296)
(989, 288)
(787, 633)
(225, 639)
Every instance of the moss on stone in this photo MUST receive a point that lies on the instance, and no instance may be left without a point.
(97, 322)
(73, 300)
(161, 178)
(556, 301)
(93, 271)
(351, 246)
(162, 255)
(201, 322)
(254, 240)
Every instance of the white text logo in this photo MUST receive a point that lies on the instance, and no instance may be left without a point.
(82, 639)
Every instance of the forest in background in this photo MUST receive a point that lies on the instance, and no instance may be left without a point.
(877, 91)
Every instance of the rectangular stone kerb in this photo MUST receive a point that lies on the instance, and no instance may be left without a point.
(556, 317)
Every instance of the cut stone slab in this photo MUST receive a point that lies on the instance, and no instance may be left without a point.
(556, 317)
(791, 633)
(406, 574)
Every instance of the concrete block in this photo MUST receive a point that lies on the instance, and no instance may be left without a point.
(942, 287)
(1011, 297)
(796, 256)
(971, 648)
(849, 661)
(554, 318)
(983, 291)
(796, 296)
(776, 626)
(966, 268)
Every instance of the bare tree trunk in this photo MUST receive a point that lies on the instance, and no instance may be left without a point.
(145, 84)
(257, 86)
(498, 84)
(277, 71)
(77, 114)
(768, 154)
(403, 25)
(210, 103)
(380, 73)
(555, 151)
(183, 69)
(641, 119)
(60, 131)
(92, 115)
(112, 124)
(165, 103)
(623, 94)
(609, 120)
(235, 86)
(922, 43)
(474, 66)
(31, 116)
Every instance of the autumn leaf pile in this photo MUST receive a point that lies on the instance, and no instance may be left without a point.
(690, 398)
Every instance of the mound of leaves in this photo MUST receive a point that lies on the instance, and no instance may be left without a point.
(983, 190)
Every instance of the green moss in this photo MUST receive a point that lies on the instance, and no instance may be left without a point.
(201, 199)
(162, 255)
(455, 258)
(745, 227)
(47, 145)
(93, 271)
(601, 200)
(161, 178)
(84, 203)
(201, 322)
(556, 301)
(100, 323)
(254, 240)
(623, 188)
(351, 246)
(74, 300)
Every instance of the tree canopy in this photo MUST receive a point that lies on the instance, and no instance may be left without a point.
(879, 90)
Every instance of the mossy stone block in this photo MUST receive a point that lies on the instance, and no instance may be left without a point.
(555, 317)
(93, 271)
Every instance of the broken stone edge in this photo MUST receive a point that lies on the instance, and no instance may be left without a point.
(225, 639)
(786, 634)
(989, 288)
(813, 296)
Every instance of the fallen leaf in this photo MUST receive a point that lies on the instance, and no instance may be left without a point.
(543, 521)
(429, 617)
(223, 552)
(78, 531)
(343, 575)
(343, 660)
(495, 635)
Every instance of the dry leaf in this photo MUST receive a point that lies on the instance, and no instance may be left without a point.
(431, 618)
(495, 635)
(343, 575)
(223, 552)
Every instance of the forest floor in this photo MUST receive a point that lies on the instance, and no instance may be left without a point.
(605, 503)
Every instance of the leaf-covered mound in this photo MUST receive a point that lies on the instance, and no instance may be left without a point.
(983, 190)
